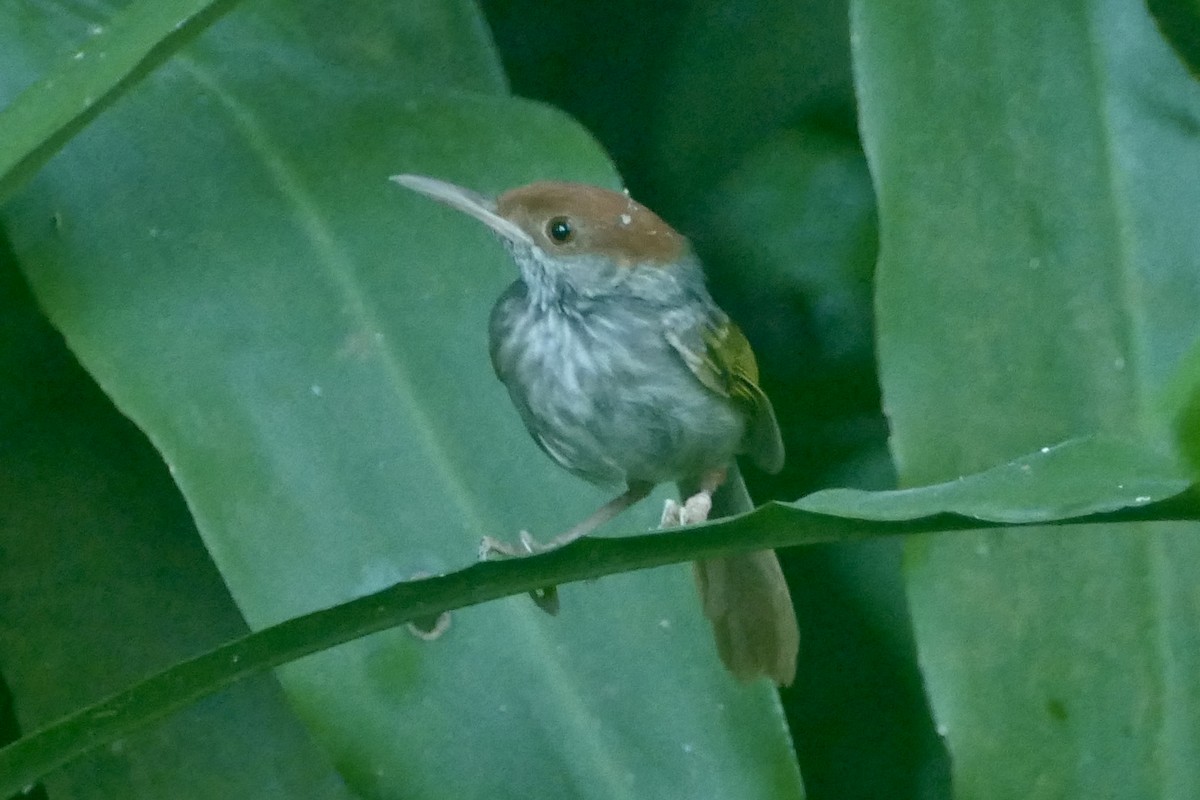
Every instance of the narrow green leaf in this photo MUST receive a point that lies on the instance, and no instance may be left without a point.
(172, 689)
(1089, 475)
(1038, 281)
(772, 525)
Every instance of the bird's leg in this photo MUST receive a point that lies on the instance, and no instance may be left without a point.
(546, 597)
(697, 507)
(491, 547)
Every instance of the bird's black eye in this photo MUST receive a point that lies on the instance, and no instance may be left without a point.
(560, 230)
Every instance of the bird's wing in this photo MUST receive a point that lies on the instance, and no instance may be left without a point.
(718, 353)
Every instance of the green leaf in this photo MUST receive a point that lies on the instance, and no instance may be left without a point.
(1184, 400)
(103, 580)
(114, 57)
(1179, 21)
(1063, 660)
(1089, 475)
(1038, 281)
(305, 344)
(122, 48)
(844, 516)
(772, 525)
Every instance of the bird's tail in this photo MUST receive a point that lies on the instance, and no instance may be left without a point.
(746, 599)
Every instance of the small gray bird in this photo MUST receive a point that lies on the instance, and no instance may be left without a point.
(626, 372)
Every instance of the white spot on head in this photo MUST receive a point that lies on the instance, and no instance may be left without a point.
(78, 56)
(664, 624)
(315, 389)
(626, 219)
(1044, 450)
(95, 30)
(1142, 499)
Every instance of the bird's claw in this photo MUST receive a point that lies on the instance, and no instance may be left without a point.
(695, 509)
(492, 549)
(670, 515)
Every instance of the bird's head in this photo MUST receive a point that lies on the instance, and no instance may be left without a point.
(572, 238)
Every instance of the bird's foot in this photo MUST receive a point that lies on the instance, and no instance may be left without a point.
(695, 509)
(493, 549)
(670, 514)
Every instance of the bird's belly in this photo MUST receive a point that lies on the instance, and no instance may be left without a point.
(615, 413)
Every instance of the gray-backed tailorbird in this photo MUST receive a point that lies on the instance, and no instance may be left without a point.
(627, 373)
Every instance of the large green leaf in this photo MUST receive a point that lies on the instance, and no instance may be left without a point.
(1184, 402)
(1179, 20)
(304, 343)
(1039, 279)
(112, 57)
(103, 579)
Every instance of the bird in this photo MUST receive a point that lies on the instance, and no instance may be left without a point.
(627, 373)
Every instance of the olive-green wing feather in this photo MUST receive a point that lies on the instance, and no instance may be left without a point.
(720, 356)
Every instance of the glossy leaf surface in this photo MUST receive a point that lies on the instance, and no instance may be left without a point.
(1039, 275)
(113, 56)
(103, 580)
(1082, 476)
